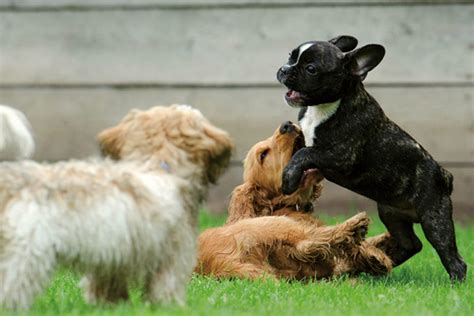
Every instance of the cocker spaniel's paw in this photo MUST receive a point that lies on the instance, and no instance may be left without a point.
(358, 226)
(371, 260)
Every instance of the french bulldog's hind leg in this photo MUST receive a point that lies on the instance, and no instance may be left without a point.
(437, 223)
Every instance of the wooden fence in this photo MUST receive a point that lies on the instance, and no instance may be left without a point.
(76, 67)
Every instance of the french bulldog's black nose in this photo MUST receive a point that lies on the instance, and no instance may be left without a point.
(287, 127)
(282, 73)
(284, 69)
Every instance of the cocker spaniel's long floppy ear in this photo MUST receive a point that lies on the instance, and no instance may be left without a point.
(247, 202)
(111, 142)
(242, 203)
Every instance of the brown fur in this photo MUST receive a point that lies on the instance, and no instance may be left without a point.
(252, 248)
(291, 244)
(260, 194)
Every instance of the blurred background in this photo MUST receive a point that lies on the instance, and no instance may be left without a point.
(76, 67)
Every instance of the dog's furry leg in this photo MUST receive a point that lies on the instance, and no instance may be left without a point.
(322, 241)
(350, 232)
(384, 242)
(110, 289)
(167, 283)
(369, 259)
(166, 286)
(24, 273)
(372, 256)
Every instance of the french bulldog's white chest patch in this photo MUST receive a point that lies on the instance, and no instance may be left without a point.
(314, 116)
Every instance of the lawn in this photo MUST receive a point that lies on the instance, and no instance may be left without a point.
(420, 287)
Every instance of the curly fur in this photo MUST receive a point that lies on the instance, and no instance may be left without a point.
(277, 247)
(117, 222)
(291, 244)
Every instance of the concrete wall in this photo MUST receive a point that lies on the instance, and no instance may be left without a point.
(76, 67)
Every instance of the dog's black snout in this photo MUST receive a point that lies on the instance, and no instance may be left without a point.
(282, 73)
(284, 69)
(287, 127)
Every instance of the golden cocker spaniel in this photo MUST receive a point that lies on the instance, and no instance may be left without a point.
(269, 234)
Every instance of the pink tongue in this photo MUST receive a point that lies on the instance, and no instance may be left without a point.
(292, 94)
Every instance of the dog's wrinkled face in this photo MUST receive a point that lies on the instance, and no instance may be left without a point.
(313, 74)
(266, 160)
(174, 135)
(317, 71)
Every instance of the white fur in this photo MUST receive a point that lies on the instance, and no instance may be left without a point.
(16, 140)
(88, 221)
(300, 52)
(118, 222)
(314, 116)
(187, 107)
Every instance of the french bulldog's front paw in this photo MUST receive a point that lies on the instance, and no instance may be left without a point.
(291, 180)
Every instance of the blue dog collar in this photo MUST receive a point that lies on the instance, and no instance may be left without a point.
(165, 166)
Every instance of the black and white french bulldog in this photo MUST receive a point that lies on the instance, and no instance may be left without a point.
(351, 141)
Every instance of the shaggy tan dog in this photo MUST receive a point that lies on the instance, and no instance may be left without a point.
(119, 223)
(292, 244)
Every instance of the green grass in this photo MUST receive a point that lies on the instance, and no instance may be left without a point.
(420, 287)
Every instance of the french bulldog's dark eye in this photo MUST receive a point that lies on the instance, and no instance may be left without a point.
(263, 154)
(311, 69)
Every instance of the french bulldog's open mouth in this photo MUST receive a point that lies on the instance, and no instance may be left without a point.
(293, 97)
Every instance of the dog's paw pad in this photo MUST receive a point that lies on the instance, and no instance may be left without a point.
(359, 225)
(362, 232)
(360, 220)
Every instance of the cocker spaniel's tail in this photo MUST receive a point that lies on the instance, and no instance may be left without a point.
(16, 138)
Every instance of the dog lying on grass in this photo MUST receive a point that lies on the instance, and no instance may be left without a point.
(269, 234)
(117, 222)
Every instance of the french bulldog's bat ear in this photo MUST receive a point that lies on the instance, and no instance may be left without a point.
(364, 59)
(345, 43)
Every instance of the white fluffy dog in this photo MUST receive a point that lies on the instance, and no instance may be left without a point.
(16, 140)
(118, 222)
